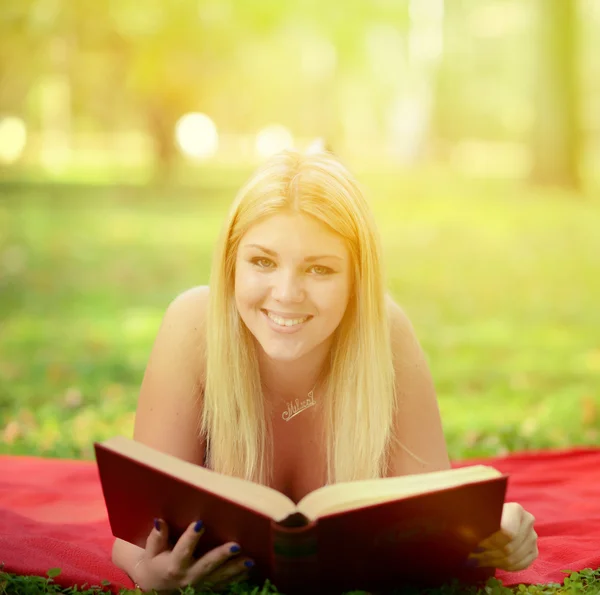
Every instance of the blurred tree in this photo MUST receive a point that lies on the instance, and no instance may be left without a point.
(24, 27)
(103, 70)
(556, 138)
(445, 105)
(357, 94)
(164, 52)
(188, 56)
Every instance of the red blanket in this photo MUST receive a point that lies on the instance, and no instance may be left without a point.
(52, 515)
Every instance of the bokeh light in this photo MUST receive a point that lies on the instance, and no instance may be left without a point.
(272, 139)
(316, 146)
(13, 138)
(196, 135)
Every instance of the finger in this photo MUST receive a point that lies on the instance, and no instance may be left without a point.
(158, 540)
(183, 551)
(504, 542)
(511, 560)
(213, 560)
(523, 557)
(528, 561)
(511, 518)
(521, 551)
(494, 542)
(507, 563)
(512, 534)
(516, 520)
(509, 548)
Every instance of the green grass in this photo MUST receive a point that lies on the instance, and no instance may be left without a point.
(502, 284)
(585, 582)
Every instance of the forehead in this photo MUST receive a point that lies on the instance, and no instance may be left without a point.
(294, 230)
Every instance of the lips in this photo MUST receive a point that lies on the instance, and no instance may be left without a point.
(287, 316)
(278, 327)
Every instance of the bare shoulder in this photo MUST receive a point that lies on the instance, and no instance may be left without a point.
(418, 425)
(191, 304)
(409, 358)
(184, 327)
(170, 399)
(404, 339)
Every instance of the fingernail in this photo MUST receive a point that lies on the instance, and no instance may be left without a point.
(198, 526)
(479, 550)
(472, 563)
(234, 549)
(248, 563)
(157, 525)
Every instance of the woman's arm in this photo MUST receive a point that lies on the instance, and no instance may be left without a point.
(127, 556)
(169, 403)
(420, 446)
(419, 429)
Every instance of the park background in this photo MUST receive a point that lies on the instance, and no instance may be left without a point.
(126, 129)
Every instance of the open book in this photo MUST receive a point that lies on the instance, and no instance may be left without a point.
(360, 534)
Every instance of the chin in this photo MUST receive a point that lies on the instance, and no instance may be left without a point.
(281, 354)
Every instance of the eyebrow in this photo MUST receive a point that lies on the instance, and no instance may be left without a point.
(307, 259)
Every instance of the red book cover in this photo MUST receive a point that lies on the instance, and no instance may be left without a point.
(136, 493)
(422, 539)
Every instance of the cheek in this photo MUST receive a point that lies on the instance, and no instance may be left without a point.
(242, 286)
(248, 284)
(334, 300)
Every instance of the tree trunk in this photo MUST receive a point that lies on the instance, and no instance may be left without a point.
(556, 134)
(161, 125)
(446, 114)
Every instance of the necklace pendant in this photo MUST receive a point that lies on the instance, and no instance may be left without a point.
(296, 407)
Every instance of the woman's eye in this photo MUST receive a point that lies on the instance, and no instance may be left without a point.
(263, 263)
(267, 263)
(321, 270)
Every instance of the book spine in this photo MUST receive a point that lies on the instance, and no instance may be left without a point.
(294, 558)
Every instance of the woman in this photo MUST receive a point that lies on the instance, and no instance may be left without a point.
(295, 370)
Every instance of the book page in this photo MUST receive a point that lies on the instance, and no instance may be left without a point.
(346, 496)
(260, 498)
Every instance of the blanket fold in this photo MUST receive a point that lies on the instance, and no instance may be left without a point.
(52, 515)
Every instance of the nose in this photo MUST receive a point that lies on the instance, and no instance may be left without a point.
(288, 287)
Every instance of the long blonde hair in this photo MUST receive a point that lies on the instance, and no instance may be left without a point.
(359, 399)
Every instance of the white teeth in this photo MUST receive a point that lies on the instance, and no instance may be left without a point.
(286, 321)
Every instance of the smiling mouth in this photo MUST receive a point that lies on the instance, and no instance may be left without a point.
(286, 322)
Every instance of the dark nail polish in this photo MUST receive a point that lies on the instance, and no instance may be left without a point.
(157, 525)
(198, 526)
(234, 549)
(248, 563)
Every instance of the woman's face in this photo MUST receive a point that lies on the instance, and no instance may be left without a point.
(292, 283)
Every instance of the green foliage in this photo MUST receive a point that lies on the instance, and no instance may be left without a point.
(12, 584)
(585, 582)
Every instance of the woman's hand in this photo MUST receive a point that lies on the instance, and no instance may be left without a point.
(166, 570)
(512, 548)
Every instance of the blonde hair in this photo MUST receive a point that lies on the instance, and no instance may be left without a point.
(359, 397)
